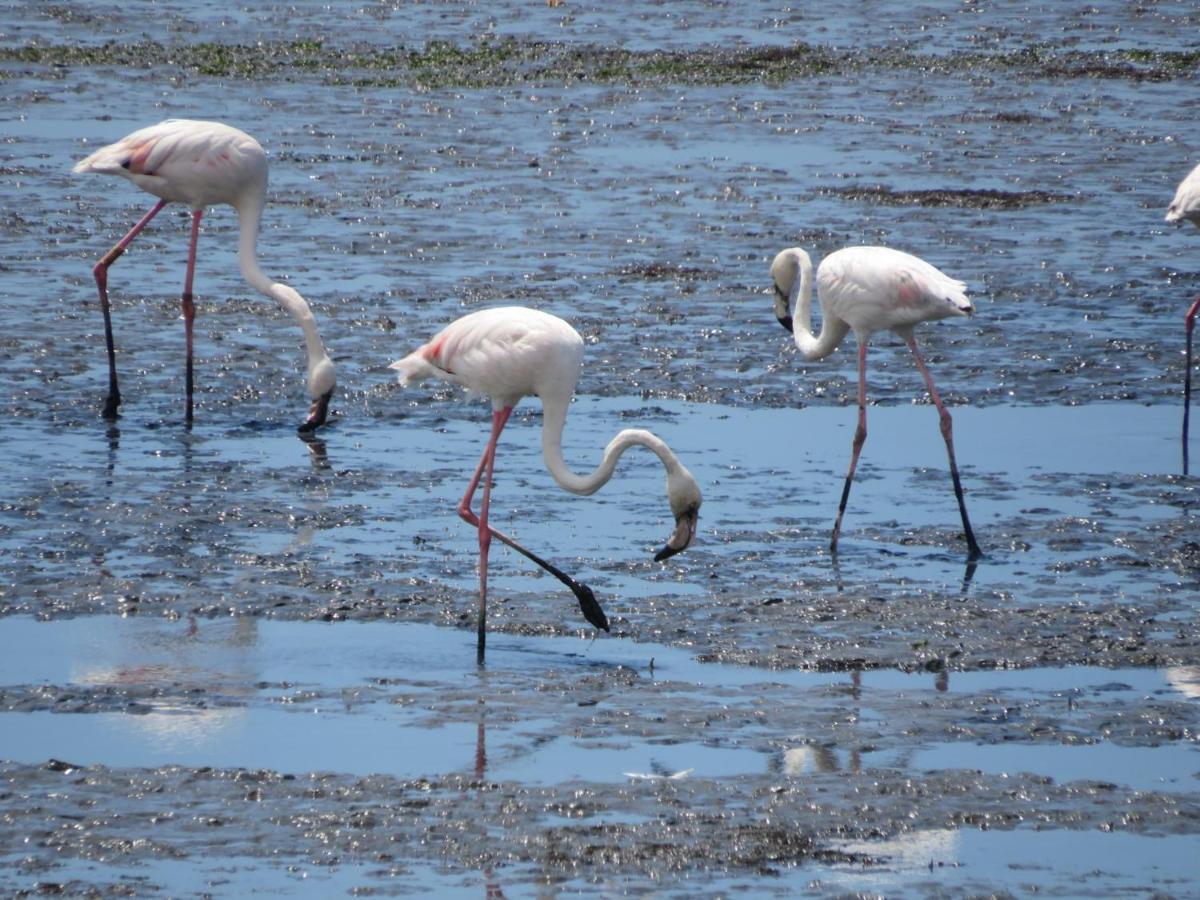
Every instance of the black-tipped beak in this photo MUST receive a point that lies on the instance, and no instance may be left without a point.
(589, 605)
(681, 537)
(782, 315)
(317, 414)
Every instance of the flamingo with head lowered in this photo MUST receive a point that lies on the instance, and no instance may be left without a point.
(865, 290)
(507, 353)
(201, 164)
(1186, 207)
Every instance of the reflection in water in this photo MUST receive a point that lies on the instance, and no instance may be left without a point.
(968, 576)
(809, 757)
(1185, 679)
(112, 435)
(491, 886)
(317, 452)
(817, 758)
(218, 683)
(923, 849)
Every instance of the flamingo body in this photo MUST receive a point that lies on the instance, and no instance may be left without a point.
(504, 354)
(507, 353)
(202, 164)
(198, 164)
(877, 288)
(866, 290)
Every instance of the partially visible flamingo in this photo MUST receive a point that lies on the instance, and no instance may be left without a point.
(202, 164)
(1186, 206)
(507, 353)
(865, 290)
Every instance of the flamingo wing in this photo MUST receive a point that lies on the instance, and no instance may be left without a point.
(877, 288)
(183, 160)
(502, 353)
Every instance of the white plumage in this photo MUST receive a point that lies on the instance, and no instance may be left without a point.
(203, 164)
(865, 290)
(511, 352)
(1186, 204)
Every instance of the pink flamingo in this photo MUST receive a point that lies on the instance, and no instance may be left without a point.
(1186, 206)
(865, 290)
(507, 353)
(202, 164)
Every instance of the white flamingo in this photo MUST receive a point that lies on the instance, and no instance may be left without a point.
(202, 164)
(507, 353)
(1186, 207)
(865, 290)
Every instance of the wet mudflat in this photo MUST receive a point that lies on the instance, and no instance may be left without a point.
(235, 661)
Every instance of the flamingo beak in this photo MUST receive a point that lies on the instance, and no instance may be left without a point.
(317, 414)
(781, 310)
(685, 530)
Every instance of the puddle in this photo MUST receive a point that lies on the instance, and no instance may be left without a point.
(407, 700)
(256, 656)
(241, 877)
(1056, 863)
(1173, 767)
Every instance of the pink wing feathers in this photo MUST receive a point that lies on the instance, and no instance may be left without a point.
(185, 161)
(878, 288)
(502, 353)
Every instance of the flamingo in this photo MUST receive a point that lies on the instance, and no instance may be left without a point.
(506, 353)
(202, 164)
(1186, 206)
(865, 290)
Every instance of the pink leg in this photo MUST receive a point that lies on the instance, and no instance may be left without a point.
(484, 470)
(100, 272)
(189, 308)
(860, 437)
(1189, 323)
(973, 550)
(591, 608)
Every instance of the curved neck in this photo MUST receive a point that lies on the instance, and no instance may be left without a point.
(249, 219)
(800, 300)
(554, 415)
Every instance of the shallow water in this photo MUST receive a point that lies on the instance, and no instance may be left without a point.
(194, 717)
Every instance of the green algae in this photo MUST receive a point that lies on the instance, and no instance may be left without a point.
(962, 198)
(498, 63)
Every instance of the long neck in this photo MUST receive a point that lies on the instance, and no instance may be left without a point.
(800, 299)
(249, 218)
(554, 417)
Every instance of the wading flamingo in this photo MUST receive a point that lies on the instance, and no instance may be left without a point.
(202, 164)
(1186, 205)
(507, 353)
(865, 290)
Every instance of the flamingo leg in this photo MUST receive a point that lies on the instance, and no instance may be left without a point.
(860, 437)
(592, 611)
(1189, 323)
(189, 308)
(484, 470)
(100, 272)
(973, 551)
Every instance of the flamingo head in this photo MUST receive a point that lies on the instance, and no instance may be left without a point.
(785, 269)
(683, 493)
(321, 382)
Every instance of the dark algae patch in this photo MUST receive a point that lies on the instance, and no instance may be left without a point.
(963, 198)
(501, 62)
